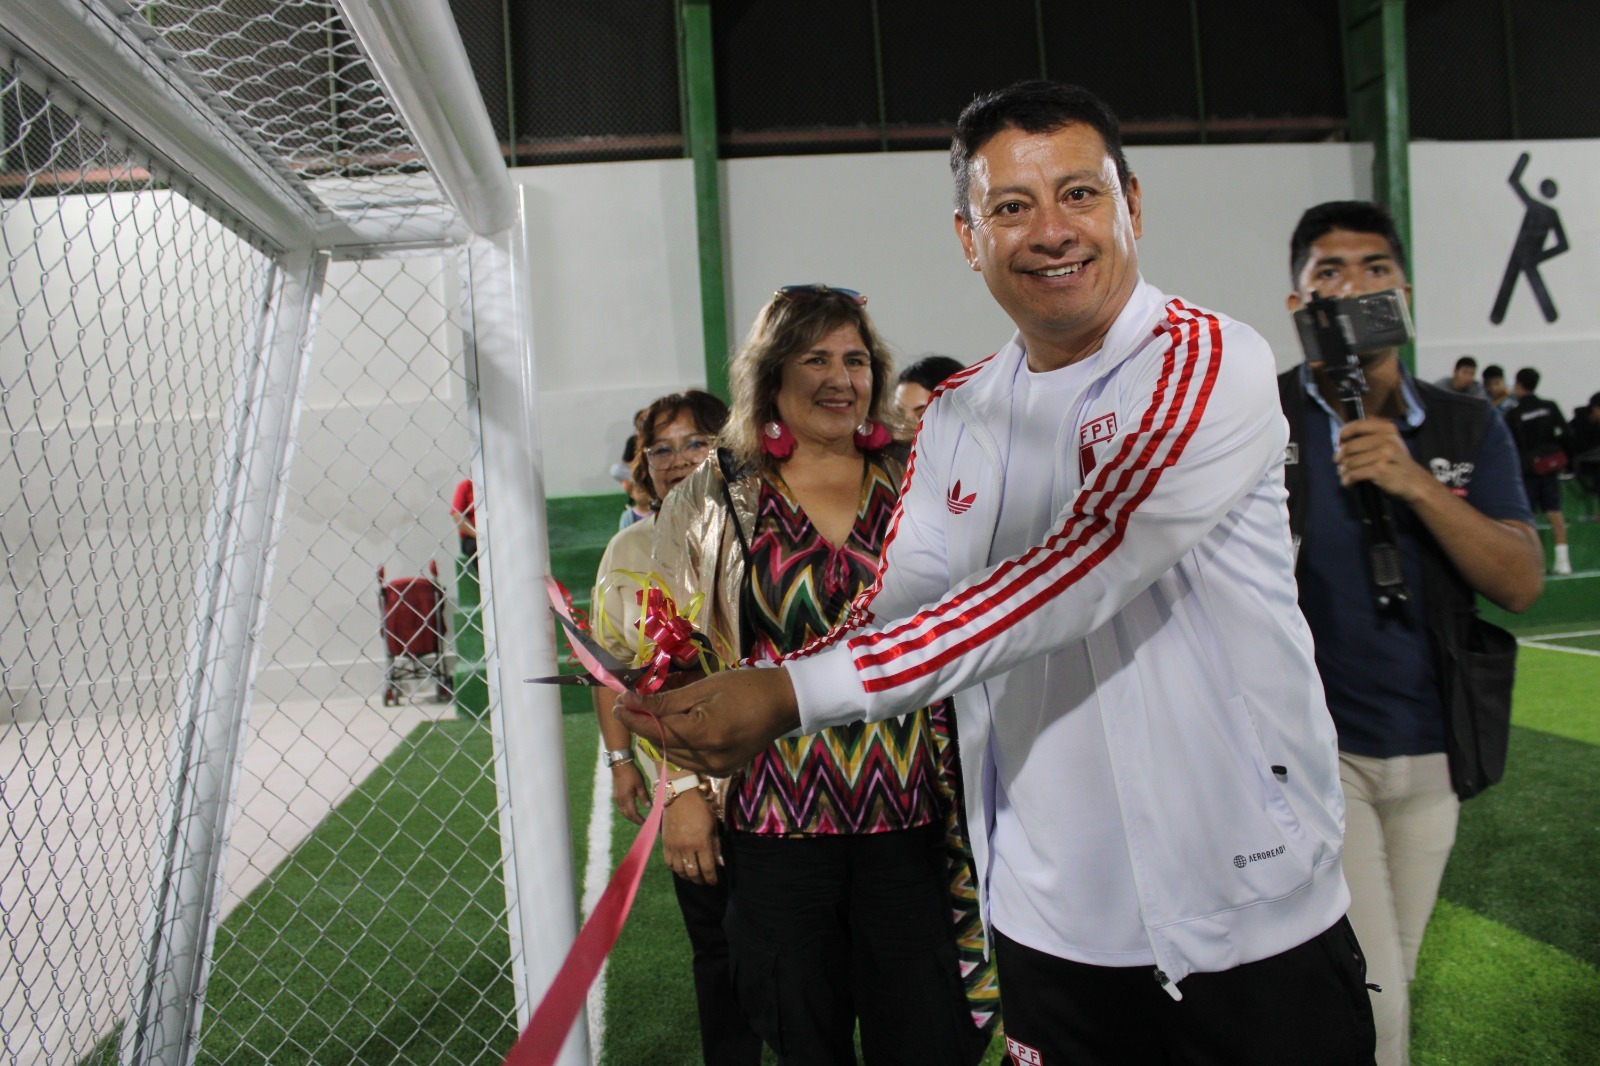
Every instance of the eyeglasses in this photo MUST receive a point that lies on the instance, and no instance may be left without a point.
(663, 454)
(817, 291)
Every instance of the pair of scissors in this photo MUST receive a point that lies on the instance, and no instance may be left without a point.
(591, 654)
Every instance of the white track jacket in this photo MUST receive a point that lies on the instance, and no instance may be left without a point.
(1170, 558)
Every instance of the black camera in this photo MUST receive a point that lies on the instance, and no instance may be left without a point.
(1332, 330)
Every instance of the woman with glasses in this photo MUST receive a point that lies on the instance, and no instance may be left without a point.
(674, 436)
(839, 869)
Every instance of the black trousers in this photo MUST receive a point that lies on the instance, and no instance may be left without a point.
(1306, 1006)
(726, 1038)
(826, 931)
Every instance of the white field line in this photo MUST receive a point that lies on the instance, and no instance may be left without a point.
(1558, 647)
(596, 872)
(1564, 636)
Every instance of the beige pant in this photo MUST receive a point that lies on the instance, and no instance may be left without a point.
(1400, 824)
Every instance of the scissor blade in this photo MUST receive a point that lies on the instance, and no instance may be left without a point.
(586, 680)
(601, 664)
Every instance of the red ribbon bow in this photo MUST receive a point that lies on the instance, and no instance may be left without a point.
(672, 634)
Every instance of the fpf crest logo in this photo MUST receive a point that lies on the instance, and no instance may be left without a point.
(1098, 431)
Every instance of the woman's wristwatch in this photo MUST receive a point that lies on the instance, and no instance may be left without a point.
(618, 756)
(688, 783)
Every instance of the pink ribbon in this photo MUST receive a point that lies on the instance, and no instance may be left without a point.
(547, 1030)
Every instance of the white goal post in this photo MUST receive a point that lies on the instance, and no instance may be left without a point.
(189, 188)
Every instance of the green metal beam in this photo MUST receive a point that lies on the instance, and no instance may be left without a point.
(697, 77)
(1378, 102)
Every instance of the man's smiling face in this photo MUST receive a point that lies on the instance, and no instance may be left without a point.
(1053, 233)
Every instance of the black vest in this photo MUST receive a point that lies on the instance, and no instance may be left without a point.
(1473, 660)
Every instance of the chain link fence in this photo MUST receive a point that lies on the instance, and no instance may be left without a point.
(125, 314)
(195, 740)
(365, 912)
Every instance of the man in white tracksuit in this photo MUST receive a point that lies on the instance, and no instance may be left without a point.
(1092, 555)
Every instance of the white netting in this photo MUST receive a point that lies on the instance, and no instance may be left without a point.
(125, 316)
(362, 916)
(288, 77)
(372, 889)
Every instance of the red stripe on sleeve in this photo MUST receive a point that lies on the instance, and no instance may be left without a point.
(1007, 582)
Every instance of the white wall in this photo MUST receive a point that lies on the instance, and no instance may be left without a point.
(1465, 218)
(617, 317)
(123, 320)
(382, 439)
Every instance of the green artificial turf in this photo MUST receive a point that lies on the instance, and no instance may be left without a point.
(1508, 970)
(1558, 692)
(382, 938)
(1526, 851)
(1486, 995)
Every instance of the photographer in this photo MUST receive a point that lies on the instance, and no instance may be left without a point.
(1446, 463)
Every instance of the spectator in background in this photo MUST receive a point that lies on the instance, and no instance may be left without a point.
(1495, 390)
(1585, 449)
(640, 505)
(1465, 378)
(914, 387)
(1541, 435)
(676, 432)
(464, 510)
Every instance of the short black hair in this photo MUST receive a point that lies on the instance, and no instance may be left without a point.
(1466, 361)
(1357, 216)
(1032, 107)
(929, 371)
(1594, 401)
(1528, 378)
(1494, 370)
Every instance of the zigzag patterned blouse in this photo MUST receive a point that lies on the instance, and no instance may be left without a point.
(860, 778)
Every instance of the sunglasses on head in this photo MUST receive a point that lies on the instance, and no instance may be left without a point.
(818, 291)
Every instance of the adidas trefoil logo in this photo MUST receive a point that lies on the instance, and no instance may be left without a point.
(958, 503)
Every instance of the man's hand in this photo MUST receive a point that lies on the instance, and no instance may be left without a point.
(1500, 560)
(719, 724)
(689, 843)
(1373, 450)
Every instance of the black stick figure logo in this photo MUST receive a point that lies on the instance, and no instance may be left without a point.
(1538, 224)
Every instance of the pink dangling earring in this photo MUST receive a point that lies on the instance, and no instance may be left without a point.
(776, 440)
(871, 436)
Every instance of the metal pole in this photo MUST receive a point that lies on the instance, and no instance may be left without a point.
(1510, 34)
(1038, 38)
(1199, 70)
(699, 81)
(877, 69)
(530, 771)
(511, 85)
(253, 467)
(1378, 98)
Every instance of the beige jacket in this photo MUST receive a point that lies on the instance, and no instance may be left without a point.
(697, 550)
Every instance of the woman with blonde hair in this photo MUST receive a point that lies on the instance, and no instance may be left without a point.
(839, 869)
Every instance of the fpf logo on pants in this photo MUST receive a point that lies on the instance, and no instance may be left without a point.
(1022, 1054)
